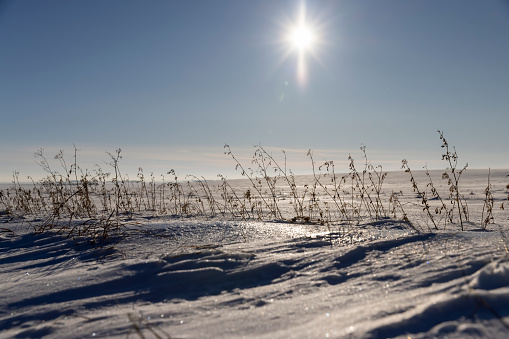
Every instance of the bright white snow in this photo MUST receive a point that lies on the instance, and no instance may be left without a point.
(213, 278)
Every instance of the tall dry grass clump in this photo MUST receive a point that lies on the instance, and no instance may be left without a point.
(97, 205)
(456, 210)
(329, 198)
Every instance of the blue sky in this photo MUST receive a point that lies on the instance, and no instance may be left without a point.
(170, 82)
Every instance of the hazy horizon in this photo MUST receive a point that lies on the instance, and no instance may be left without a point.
(209, 164)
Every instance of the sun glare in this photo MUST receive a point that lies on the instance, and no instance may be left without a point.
(301, 39)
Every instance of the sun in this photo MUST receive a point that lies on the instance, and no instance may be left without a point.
(302, 37)
(302, 40)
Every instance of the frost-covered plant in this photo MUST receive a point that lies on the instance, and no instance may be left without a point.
(453, 178)
(421, 194)
(257, 182)
(507, 187)
(452, 175)
(436, 195)
(368, 191)
(488, 205)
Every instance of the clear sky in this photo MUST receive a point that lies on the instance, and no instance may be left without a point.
(170, 82)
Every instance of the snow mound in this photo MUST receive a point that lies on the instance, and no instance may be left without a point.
(492, 276)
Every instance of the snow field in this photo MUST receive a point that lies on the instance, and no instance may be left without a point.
(204, 277)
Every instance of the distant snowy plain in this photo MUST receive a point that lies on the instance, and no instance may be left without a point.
(216, 278)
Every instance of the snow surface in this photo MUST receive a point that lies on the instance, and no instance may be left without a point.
(213, 278)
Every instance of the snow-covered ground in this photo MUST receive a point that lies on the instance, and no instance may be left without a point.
(215, 278)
